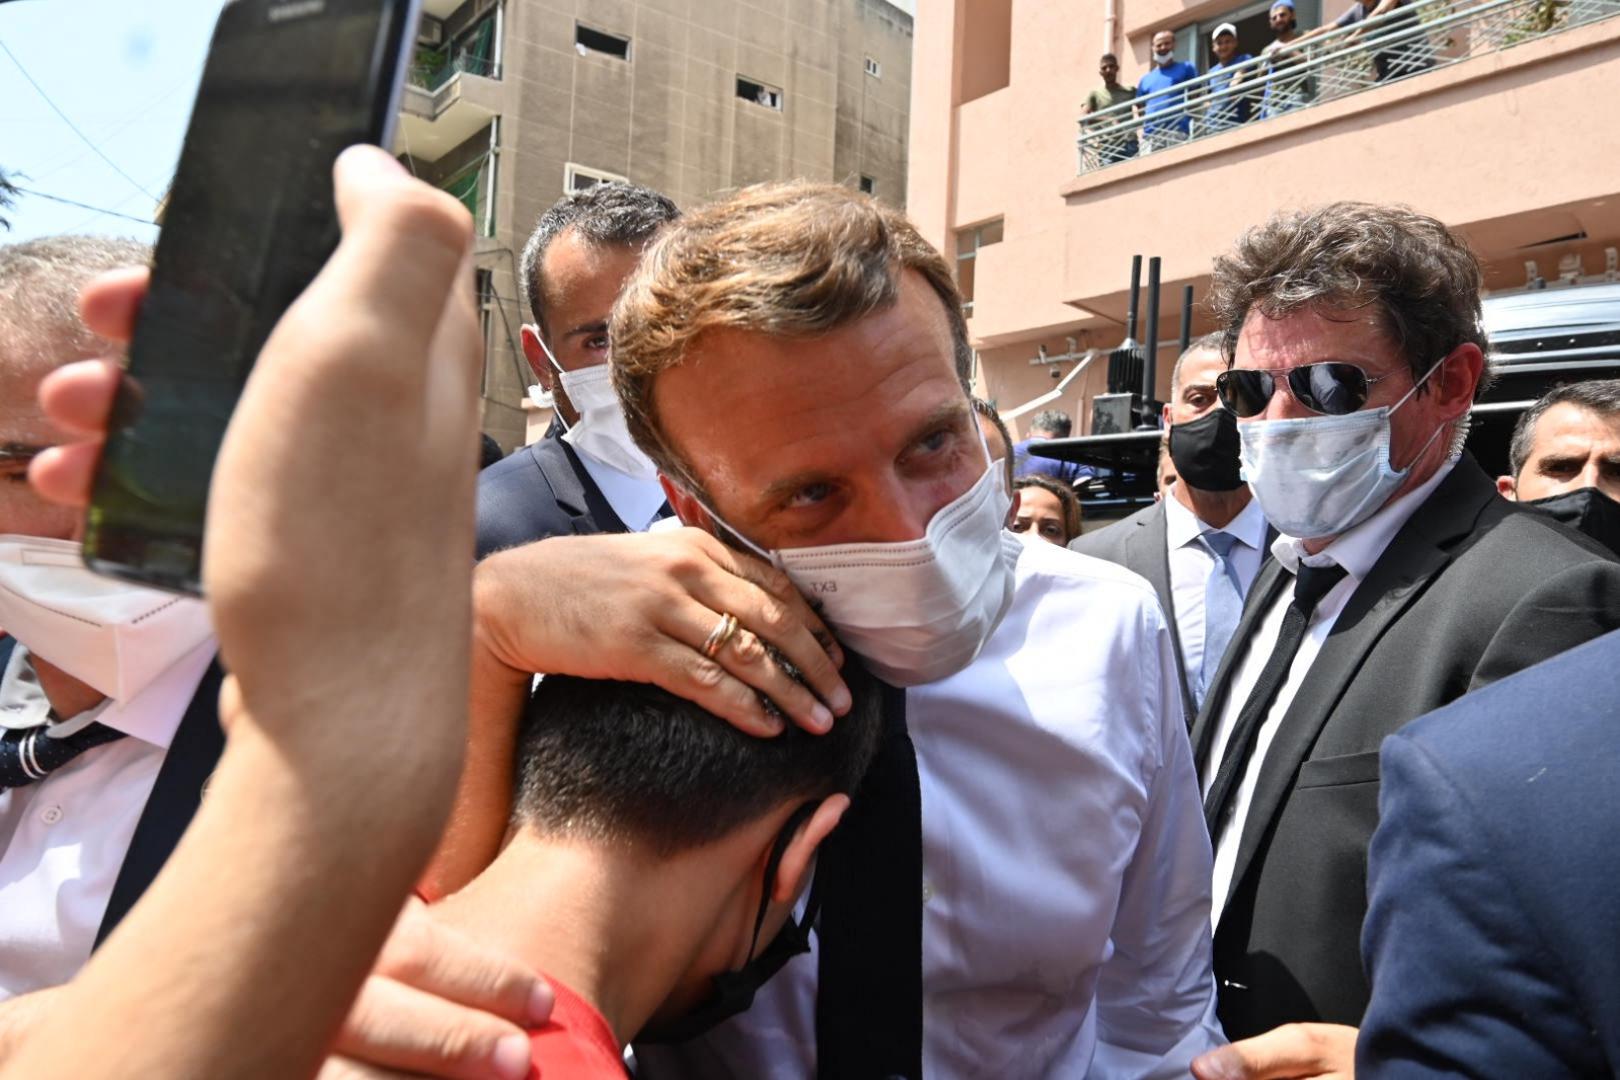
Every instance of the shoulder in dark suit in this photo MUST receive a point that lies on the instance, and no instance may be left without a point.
(539, 491)
(1139, 544)
(1493, 931)
(1471, 589)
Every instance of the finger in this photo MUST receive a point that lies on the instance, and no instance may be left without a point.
(79, 396)
(64, 474)
(427, 955)
(683, 671)
(346, 1069)
(744, 658)
(773, 581)
(1293, 1050)
(394, 1026)
(108, 303)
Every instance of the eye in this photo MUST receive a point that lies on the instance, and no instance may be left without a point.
(1019, 525)
(597, 342)
(809, 495)
(1050, 529)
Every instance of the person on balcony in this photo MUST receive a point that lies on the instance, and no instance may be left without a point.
(1160, 92)
(1286, 87)
(1107, 149)
(1228, 106)
(1402, 48)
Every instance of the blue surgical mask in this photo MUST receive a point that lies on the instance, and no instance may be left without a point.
(1321, 475)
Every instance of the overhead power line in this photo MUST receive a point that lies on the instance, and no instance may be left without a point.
(41, 90)
(80, 205)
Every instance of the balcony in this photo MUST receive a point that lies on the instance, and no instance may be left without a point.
(451, 93)
(1409, 41)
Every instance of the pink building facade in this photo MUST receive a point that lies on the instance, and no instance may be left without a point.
(1511, 135)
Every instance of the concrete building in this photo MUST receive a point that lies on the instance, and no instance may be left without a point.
(1503, 128)
(511, 104)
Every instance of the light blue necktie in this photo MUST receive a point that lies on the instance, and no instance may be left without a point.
(1223, 603)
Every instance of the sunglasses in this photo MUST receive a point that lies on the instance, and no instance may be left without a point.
(1331, 388)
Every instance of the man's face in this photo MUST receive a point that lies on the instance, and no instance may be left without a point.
(23, 429)
(1040, 512)
(581, 281)
(1164, 43)
(1109, 70)
(861, 434)
(1225, 48)
(1573, 448)
(1282, 20)
(1195, 393)
(1354, 336)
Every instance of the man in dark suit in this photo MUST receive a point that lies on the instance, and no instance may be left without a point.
(1202, 544)
(585, 475)
(1401, 581)
(1493, 925)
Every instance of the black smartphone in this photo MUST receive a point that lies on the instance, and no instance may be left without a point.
(288, 84)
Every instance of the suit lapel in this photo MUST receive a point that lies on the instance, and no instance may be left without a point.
(1423, 547)
(192, 755)
(1268, 585)
(576, 493)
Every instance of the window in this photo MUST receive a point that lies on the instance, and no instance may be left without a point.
(583, 178)
(587, 40)
(968, 243)
(873, 68)
(759, 93)
(868, 185)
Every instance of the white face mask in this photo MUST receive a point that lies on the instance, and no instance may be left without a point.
(917, 610)
(112, 635)
(600, 432)
(1164, 59)
(1319, 476)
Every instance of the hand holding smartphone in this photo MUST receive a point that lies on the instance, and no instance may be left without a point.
(288, 85)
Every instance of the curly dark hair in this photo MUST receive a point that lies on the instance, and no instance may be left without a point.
(1420, 277)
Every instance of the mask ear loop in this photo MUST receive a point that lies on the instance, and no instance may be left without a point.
(1424, 449)
(552, 359)
(772, 865)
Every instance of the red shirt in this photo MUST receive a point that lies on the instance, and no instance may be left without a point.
(576, 1043)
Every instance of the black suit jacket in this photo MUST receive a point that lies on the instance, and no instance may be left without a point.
(539, 491)
(192, 755)
(1493, 927)
(1471, 589)
(1140, 543)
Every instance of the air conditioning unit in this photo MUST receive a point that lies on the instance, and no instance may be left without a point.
(431, 32)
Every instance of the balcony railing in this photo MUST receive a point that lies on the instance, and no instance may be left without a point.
(1414, 38)
(432, 74)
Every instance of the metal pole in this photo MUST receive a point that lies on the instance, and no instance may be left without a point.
(1186, 318)
(1136, 294)
(1150, 359)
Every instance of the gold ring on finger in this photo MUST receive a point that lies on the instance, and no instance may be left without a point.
(722, 632)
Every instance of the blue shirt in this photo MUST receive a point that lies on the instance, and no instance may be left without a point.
(1225, 107)
(1163, 79)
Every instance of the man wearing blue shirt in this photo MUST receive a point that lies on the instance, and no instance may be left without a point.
(1155, 91)
(1228, 106)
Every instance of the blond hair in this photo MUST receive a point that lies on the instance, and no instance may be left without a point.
(793, 259)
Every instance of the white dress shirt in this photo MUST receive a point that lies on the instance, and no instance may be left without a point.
(635, 501)
(1357, 551)
(63, 840)
(1191, 564)
(1065, 862)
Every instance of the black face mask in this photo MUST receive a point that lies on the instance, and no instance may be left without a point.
(1205, 451)
(1586, 510)
(734, 990)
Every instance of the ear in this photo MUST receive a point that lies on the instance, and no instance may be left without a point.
(535, 354)
(1508, 488)
(1164, 415)
(685, 505)
(794, 869)
(1454, 381)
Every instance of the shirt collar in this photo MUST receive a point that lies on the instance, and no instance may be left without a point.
(1183, 527)
(1362, 546)
(635, 501)
(152, 715)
